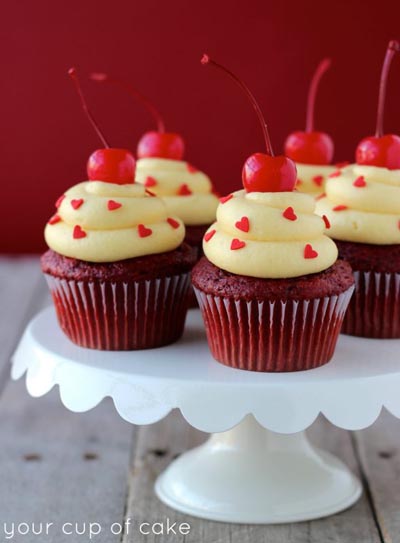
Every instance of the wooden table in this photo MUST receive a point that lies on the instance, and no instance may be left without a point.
(60, 467)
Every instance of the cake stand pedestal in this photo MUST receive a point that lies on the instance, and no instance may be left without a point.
(257, 466)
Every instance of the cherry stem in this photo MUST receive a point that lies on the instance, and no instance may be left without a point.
(322, 67)
(74, 76)
(392, 49)
(105, 78)
(207, 60)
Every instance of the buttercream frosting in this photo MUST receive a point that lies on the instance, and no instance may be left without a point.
(269, 235)
(311, 178)
(105, 222)
(362, 204)
(186, 191)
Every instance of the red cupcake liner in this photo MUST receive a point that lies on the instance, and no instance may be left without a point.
(115, 316)
(374, 310)
(273, 336)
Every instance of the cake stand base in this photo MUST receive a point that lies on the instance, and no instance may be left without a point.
(252, 475)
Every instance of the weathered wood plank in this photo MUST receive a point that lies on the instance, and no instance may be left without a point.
(159, 443)
(21, 284)
(55, 466)
(379, 450)
(60, 467)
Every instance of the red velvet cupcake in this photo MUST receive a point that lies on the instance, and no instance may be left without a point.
(272, 294)
(270, 289)
(362, 203)
(117, 268)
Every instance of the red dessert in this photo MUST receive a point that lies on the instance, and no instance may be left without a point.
(159, 144)
(301, 332)
(117, 269)
(272, 298)
(365, 225)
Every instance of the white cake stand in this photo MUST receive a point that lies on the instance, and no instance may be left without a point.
(263, 470)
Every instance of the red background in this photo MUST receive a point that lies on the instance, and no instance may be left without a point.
(273, 45)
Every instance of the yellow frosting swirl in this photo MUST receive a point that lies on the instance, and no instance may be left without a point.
(311, 178)
(187, 192)
(269, 235)
(106, 222)
(363, 205)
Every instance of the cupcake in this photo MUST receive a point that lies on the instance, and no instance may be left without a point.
(117, 267)
(362, 204)
(271, 290)
(311, 150)
(186, 191)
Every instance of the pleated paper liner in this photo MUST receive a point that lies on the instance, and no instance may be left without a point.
(374, 310)
(121, 315)
(273, 336)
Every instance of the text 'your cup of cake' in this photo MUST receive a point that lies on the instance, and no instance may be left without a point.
(271, 290)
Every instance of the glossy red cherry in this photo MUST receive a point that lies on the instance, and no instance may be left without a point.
(160, 144)
(112, 166)
(108, 164)
(262, 172)
(310, 146)
(381, 150)
(278, 173)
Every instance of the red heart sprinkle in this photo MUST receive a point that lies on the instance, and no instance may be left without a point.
(309, 252)
(243, 224)
(143, 231)
(184, 190)
(191, 168)
(342, 164)
(290, 214)
(208, 235)
(237, 244)
(112, 205)
(326, 221)
(55, 219)
(318, 180)
(339, 208)
(299, 182)
(150, 182)
(78, 232)
(173, 222)
(225, 199)
(335, 174)
(59, 201)
(323, 195)
(360, 182)
(76, 204)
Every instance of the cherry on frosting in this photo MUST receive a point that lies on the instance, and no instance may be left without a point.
(158, 144)
(262, 172)
(382, 149)
(310, 146)
(108, 164)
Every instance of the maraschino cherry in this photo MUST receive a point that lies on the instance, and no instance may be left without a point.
(262, 172)
(310, 146)
(109, 165)
(159, 144)
(382, 149)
